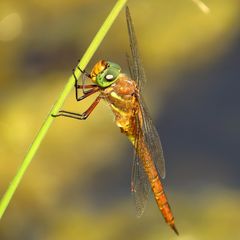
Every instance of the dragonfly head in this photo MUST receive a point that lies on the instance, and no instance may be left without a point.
(105, 73)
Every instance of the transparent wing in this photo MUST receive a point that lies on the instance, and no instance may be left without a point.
(149, 132)
(139, 181)
(137, 70)
(152, 139)
(145, 133)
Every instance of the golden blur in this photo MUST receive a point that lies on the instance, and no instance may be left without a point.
(78, 185)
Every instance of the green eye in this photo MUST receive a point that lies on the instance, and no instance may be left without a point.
(109, 75)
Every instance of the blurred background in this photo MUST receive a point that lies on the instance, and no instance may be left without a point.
(78, 186)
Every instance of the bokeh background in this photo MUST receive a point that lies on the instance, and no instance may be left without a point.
(78, 186)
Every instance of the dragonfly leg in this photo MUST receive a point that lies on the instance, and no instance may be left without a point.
(79, 116)
(87, 94)
(85, 74)
(93, 88)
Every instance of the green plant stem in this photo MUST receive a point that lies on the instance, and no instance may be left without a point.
(68, 87)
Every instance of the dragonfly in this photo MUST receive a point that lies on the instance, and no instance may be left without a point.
(124, 96)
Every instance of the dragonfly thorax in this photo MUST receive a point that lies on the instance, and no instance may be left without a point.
(105, 73)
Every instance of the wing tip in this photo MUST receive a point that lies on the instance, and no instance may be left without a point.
(163, 175)
(127, 9)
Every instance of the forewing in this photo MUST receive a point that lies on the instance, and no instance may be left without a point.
(137, 71)
(150, 134)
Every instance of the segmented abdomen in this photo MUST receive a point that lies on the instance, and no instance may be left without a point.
(156, 184)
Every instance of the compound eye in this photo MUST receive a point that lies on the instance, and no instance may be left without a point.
(109, 77)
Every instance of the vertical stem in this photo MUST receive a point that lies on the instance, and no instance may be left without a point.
(47, 123)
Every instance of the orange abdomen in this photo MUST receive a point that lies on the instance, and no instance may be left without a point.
(157, 187)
